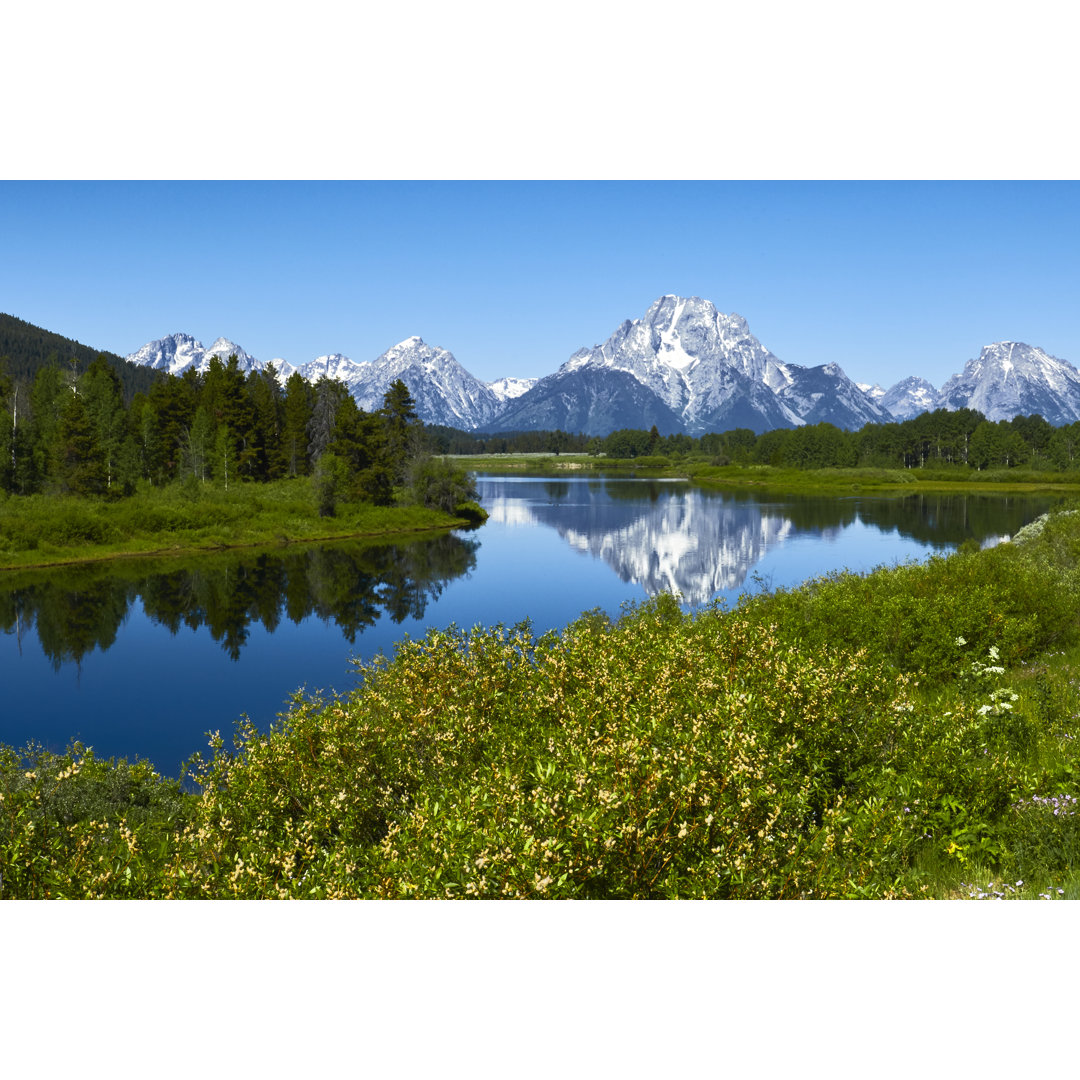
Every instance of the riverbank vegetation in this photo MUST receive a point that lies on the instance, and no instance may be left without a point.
(906, 733)
(942, 446)
(776, 478)
(210, 461)
(41, 530)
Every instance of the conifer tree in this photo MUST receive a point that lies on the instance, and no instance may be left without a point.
(103, 396)
(328, 396)
(77, 464)
(400, 427)
(297, 415)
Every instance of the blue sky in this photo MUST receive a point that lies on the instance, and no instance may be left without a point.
(887, 279)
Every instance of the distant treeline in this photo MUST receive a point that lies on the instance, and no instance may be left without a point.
(962, 438)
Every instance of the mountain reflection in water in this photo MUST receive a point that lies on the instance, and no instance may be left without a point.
(672, 537)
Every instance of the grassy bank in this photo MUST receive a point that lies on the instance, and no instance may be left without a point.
(778, 479)
(39, 530)
(907, 733)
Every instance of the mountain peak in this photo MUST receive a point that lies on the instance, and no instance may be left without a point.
(1010, 378)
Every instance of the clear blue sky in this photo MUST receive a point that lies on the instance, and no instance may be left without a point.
(887, 279)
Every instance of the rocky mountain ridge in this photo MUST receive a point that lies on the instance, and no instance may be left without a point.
(684, 366)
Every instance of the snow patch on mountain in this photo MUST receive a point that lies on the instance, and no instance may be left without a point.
(506, 389)
(336, 366)
(173, 354)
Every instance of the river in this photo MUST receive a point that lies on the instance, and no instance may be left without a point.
(143, 658)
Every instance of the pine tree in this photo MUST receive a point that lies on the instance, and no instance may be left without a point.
(328, 396)
(297, 415)
(7, 431)
(400, 426)
(104, 399)
(77, 464)
(266, 408)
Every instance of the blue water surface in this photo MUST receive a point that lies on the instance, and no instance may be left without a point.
(552, 548)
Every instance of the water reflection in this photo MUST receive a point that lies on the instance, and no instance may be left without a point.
(673, 537)
(75, 610)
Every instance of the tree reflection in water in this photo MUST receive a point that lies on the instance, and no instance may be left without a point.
(78, 609)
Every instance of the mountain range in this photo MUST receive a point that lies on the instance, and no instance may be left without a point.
(683, 367)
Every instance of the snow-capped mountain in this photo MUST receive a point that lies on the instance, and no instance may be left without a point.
(179, 352)
(910, 397)
(685, 366)
(1010, 378)
(688, 354)
(445, 393)
(337, 366)
(874, 391)
(174, 354)
(824, 394)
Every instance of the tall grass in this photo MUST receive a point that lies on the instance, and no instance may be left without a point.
(40, 530)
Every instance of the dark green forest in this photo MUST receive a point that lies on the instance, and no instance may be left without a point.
(25, 349)
(70, 431)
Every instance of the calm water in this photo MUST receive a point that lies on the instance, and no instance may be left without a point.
(145, 658)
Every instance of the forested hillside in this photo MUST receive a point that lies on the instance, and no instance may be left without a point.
(25, 349)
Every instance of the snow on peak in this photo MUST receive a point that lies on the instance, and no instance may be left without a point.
(506, 389)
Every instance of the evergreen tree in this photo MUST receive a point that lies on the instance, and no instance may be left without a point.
(226, 398)
(47, 399)
(7, 431)
(104, 399)
(266, 409)
(401, 429)
(165, 418)
(297, 415)
(77, 459)
(328, 396)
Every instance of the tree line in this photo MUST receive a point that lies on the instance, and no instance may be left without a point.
(71, 432)
(961, 437)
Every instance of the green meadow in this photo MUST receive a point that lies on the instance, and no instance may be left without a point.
(182, 519)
